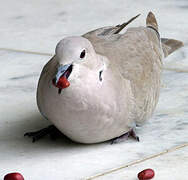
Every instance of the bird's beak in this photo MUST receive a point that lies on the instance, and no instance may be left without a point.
(62, 71)
(61, 77)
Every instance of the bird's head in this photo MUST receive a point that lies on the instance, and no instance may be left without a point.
(76, 58)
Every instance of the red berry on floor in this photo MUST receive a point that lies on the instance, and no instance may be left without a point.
(146, 174)
(14, 176)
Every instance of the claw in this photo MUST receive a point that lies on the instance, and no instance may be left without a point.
(125, 136)
(50, 130)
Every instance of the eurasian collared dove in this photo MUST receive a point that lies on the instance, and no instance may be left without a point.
(103, 84)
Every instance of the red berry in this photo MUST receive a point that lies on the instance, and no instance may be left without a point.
(14, 176)
(62, 83)
(146, 174)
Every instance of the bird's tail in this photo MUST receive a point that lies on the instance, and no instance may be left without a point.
(168, 45)
(151, 21)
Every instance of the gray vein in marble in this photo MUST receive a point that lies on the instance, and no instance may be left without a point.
(24, 76)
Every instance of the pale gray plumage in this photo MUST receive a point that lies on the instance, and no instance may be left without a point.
(92, 110)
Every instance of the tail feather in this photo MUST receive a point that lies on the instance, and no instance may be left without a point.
(151, 21)
(170, 45)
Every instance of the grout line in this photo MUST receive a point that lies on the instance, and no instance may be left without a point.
(48, 54)
(136, 162)
(176, 70)
(27, 52)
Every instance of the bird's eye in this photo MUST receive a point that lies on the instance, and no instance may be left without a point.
(83, 53)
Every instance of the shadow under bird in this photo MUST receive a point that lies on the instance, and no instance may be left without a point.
(101, 85)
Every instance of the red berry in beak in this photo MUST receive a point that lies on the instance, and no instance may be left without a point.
(62, 83)
(14, 176)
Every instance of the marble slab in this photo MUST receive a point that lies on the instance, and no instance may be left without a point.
(63, 159)
(169, 166)
(39, 25)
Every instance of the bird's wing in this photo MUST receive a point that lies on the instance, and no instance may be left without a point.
(136, 55)
(107, 32)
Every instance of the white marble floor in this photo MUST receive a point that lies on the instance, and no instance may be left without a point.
(37, 27)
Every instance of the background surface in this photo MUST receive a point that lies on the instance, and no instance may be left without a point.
(29, 32)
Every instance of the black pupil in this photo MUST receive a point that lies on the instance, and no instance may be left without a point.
(83, 53)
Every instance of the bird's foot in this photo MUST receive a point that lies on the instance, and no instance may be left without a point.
(50, 130)
(125, 136)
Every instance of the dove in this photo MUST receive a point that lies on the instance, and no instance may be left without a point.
(100, 86)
